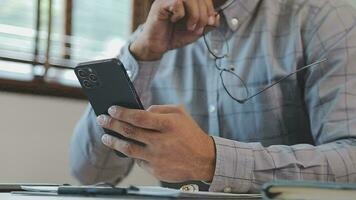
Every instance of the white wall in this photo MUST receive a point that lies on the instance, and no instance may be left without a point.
(35, 133)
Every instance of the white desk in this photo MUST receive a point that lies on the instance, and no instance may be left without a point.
(8, 196)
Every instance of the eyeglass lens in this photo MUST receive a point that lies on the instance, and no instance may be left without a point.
(234, 85)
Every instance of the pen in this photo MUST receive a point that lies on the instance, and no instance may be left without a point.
(90, 190)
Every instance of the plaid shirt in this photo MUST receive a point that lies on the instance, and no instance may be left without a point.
(303, 128)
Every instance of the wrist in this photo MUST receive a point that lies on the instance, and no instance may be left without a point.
(143, 52)
(207, 168)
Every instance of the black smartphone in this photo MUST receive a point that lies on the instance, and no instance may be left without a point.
(106, 83)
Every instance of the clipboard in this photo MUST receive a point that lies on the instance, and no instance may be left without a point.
(143, 191)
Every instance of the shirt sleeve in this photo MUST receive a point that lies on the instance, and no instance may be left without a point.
(140, 72)
(90, 161)
(330, 100)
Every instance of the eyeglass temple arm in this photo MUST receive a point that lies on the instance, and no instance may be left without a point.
(223, 7)
(283, 78)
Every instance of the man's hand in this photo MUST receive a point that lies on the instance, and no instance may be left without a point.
(175, 149)
(173, 24)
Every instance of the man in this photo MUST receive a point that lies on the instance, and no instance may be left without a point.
(302, 128)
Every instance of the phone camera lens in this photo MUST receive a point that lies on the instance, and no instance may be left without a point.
(93, 77)
(82, 73)
(87, 84)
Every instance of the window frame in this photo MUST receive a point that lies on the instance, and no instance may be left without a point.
(38, 84)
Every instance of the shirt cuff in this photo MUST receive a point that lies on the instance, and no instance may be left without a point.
(135, 67)
(234, 166)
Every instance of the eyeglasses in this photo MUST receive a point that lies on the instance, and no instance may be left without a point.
(232, 83)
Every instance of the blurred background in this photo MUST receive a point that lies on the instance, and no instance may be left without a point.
(40, 98)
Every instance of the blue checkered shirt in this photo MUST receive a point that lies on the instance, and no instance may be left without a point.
(302, 129)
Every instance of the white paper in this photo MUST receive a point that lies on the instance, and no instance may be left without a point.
(161, 192)
(168, 192)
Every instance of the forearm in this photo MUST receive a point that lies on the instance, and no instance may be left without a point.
(90, 161)
(244, 167)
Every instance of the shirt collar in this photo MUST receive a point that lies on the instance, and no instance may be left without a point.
(239, 10)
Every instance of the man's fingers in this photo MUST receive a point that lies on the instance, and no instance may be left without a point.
(177, 10)
(129, 149)
(203, 17)
(139, 134)
(164, 109)
(211, 10)
(135, 124)
(192, 10)
(140, 118)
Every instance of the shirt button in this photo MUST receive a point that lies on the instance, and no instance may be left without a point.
(212, 108)
(234, 22)
(232, 67)
(227, 189)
